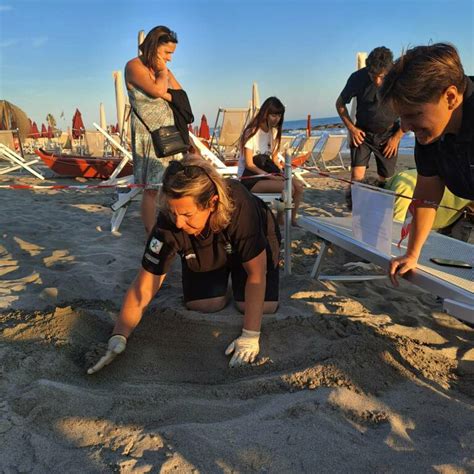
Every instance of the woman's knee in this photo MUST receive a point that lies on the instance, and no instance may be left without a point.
(208, 305)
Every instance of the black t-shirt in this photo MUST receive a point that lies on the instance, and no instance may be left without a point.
(452, 156)
(251, 230)
(370, 115)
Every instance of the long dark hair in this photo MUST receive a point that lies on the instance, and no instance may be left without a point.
(156, 37)
(272, 105)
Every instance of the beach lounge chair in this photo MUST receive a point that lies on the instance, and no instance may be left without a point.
(226, 143)
(94, 143)
(307, 145)
(331, 151)
(454, 285)
(287, 143)
(15, 161)
(120, 206)
(208, 155)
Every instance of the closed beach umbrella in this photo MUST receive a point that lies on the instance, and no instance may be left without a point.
(34, 131)
(308, 126)
(141, 37)
(119, 98)
(255, 100)
(12, 117)
(31, 134)
(360, 63)
(44, 131)
(102, 120)
(204, 131)
(50, 131)
(77, 125)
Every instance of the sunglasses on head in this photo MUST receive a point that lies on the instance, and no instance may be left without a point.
(190, 171)
(170, 37)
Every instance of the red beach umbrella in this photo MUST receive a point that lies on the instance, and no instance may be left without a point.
(50, 131)
(204, 131)
(308, 126)
(31, 132)
(44, 131)
(77, 125)
(34, 131)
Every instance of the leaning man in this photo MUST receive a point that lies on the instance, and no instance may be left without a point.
(428, 89)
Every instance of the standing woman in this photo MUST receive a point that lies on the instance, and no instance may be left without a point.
(218, 229)
(148, 80)
(259, 147)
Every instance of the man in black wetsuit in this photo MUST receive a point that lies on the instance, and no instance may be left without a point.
(428, 89)
(376, 129)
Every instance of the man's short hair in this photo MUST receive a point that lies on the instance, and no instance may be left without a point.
(379, 60)
(422, 74)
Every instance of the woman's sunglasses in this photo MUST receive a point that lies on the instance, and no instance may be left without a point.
(190, 171)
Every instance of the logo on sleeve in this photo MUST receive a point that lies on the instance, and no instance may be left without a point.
(155, 245)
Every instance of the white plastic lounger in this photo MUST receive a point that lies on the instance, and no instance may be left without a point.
(454, 285)
(211, 157)
(14, 161)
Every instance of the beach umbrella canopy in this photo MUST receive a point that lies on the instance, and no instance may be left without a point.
(308, 126)
(77, 125)
(12, 117)
(44, 131)
(50, 132)
(204, 131)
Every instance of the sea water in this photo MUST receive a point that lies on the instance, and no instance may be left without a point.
(295, 127)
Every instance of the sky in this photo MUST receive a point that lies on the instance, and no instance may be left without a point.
(56, 55)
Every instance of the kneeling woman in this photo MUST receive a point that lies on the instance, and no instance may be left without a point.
(218, 229)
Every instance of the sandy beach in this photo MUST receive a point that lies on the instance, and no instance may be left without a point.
(351, 377)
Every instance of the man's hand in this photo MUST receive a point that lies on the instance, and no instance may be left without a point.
(245, 348)
(400, 266)
(391, 146)
(115, 346)
(357, 136)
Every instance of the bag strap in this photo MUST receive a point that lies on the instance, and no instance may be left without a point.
(139, 118)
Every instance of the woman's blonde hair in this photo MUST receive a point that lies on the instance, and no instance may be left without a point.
(196, 178)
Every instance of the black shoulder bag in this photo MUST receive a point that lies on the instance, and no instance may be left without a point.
(167, 140)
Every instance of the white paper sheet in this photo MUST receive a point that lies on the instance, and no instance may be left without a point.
(372, 217)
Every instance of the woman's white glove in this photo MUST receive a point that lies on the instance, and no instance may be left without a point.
(245, 348)
(116, 345)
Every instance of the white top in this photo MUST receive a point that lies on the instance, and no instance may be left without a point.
(260, 144)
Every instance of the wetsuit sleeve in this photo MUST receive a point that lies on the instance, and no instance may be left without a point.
(160, 250)
(351, 88)
(247, 230)
(425, 160)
